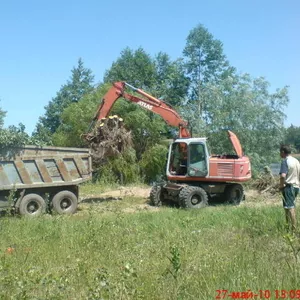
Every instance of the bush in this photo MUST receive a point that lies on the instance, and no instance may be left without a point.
(122, 169)
(153, 162)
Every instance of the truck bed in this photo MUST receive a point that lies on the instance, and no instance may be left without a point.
(36, 167)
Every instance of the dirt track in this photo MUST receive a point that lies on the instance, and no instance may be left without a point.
(128, 192)
(253, 197)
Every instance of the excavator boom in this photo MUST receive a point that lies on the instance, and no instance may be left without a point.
(148, 102)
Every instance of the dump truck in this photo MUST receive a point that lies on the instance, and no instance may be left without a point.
(35, 179)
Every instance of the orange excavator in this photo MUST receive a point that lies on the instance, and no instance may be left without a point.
(193, 174)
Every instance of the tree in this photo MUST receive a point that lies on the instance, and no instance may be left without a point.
(153, 162)
(171, 83)
(247, 107)
(77, 117)
(135, 67)
(159, 76)
(220, 99)
(204, 62)
(80, 83)
(293, 137)
(76, 120)
(2, 116)
(147, 129)
(13, 136)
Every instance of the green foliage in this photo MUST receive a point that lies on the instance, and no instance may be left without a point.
(147, 129)
(293, 137)
(42, 135)
(171, 83)
(153, 162)
(134, 67)
(247, 107)
(122, 169)
(205, 63)
(204, 57)
(221, 99)
(77, 117)
(158, 76)
(2, 116)
(80, 84)
(13, 136)
(175, 262)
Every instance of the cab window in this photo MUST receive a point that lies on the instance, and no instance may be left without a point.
(178, 159)
(197, 160)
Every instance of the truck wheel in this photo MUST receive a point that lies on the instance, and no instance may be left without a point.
(193, 197)
(65, 202)
(156, 196)
(234, 194)
(32, 205)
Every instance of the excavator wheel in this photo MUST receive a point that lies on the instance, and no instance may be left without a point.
(156, 196)
(234, 194)
(193, 197)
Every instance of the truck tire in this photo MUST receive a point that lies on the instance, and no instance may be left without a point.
(193, 197)
(65, 202)
(234, 194)
(156, 196)
(32, 205)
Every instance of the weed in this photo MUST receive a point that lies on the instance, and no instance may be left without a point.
(293, 243)
(11, 201)
(175, 262)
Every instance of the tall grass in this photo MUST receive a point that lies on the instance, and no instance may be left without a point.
(170, 253)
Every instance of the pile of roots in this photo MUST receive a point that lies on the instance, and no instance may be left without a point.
(266, 182)
(109, 138)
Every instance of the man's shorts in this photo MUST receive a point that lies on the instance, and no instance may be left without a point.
(289, 194)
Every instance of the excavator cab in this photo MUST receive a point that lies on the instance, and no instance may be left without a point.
(188, 157)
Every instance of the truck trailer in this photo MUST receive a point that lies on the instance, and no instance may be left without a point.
(34, 180)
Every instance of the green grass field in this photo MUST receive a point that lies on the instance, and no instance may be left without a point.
(127, 250)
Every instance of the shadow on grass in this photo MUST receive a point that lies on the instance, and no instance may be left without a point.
(215, 201)
(220, 200)
(100, 199)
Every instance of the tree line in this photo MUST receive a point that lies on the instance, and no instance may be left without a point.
(201, 85)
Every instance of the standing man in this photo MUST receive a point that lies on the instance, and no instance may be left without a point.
(289, 184)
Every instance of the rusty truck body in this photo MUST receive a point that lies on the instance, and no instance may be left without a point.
(34, 179)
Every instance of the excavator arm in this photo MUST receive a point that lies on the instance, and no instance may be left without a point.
(148, 102)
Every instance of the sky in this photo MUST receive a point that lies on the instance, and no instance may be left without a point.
(41, 41)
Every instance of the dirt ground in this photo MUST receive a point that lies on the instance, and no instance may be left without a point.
(128, 192)
(252, 199)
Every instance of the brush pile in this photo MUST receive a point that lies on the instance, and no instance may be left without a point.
(108, 139)
(266, 182)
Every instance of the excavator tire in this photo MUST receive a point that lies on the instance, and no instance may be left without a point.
(156, 196)
(234, 194)
(193, 197)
